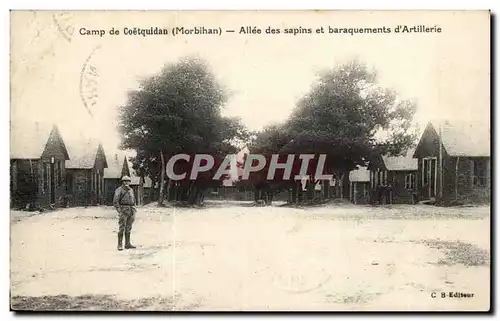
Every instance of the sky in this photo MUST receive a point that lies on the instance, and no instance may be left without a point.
(447, 74)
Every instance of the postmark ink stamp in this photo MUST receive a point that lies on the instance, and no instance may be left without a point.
(89, 77)
(64, 23)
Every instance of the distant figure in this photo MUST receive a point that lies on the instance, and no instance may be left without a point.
(383, 194)
(380, 195)
(389, 193)
(124, 202)
(414, 197)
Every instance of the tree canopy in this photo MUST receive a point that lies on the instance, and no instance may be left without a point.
(346, 116)
(176, 111)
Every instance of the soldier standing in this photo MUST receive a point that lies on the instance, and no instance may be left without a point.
(124, 202)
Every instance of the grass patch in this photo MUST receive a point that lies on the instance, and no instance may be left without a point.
(457, 252)
(92, 303)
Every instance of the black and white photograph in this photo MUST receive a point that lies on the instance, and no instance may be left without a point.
(244, 161)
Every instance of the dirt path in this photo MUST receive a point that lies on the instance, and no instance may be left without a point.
(244, 258)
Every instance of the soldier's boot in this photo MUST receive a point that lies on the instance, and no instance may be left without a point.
(127, 242)
(120, 242)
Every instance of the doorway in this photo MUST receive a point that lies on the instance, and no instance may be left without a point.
(429, 177)
(98, 187)
(52, 184)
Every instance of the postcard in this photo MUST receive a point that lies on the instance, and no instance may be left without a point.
(250, 161)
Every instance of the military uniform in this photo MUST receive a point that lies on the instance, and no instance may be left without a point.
(124, 202)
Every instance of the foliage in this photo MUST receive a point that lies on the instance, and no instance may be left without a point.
(176, 111)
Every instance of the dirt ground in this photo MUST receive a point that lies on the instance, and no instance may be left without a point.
(230, 257)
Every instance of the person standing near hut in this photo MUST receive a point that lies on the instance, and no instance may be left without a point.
(124, 202)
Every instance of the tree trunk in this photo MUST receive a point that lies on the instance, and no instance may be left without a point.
(199, 197)
(161, 195)
(173, 191)
(316, 182)
(178, 192)
(192, 194)
(269, 198)
(341, 185)
(186, 190)
(337, 185)
(167, 191)
(326, 189)
(293, 194)
(309, 189)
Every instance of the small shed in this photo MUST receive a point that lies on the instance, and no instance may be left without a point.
(149, 192)
(393, 179)
(37, 165)
(118, 166)
(85, 172)
(359, 186)
(454, 162)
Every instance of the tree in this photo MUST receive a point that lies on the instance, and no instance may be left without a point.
(178, 111)
(270, 140)
(348, 117)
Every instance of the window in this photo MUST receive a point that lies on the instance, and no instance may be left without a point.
(425, 176)
(410, 181)
(478, 173)
(374, 178)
